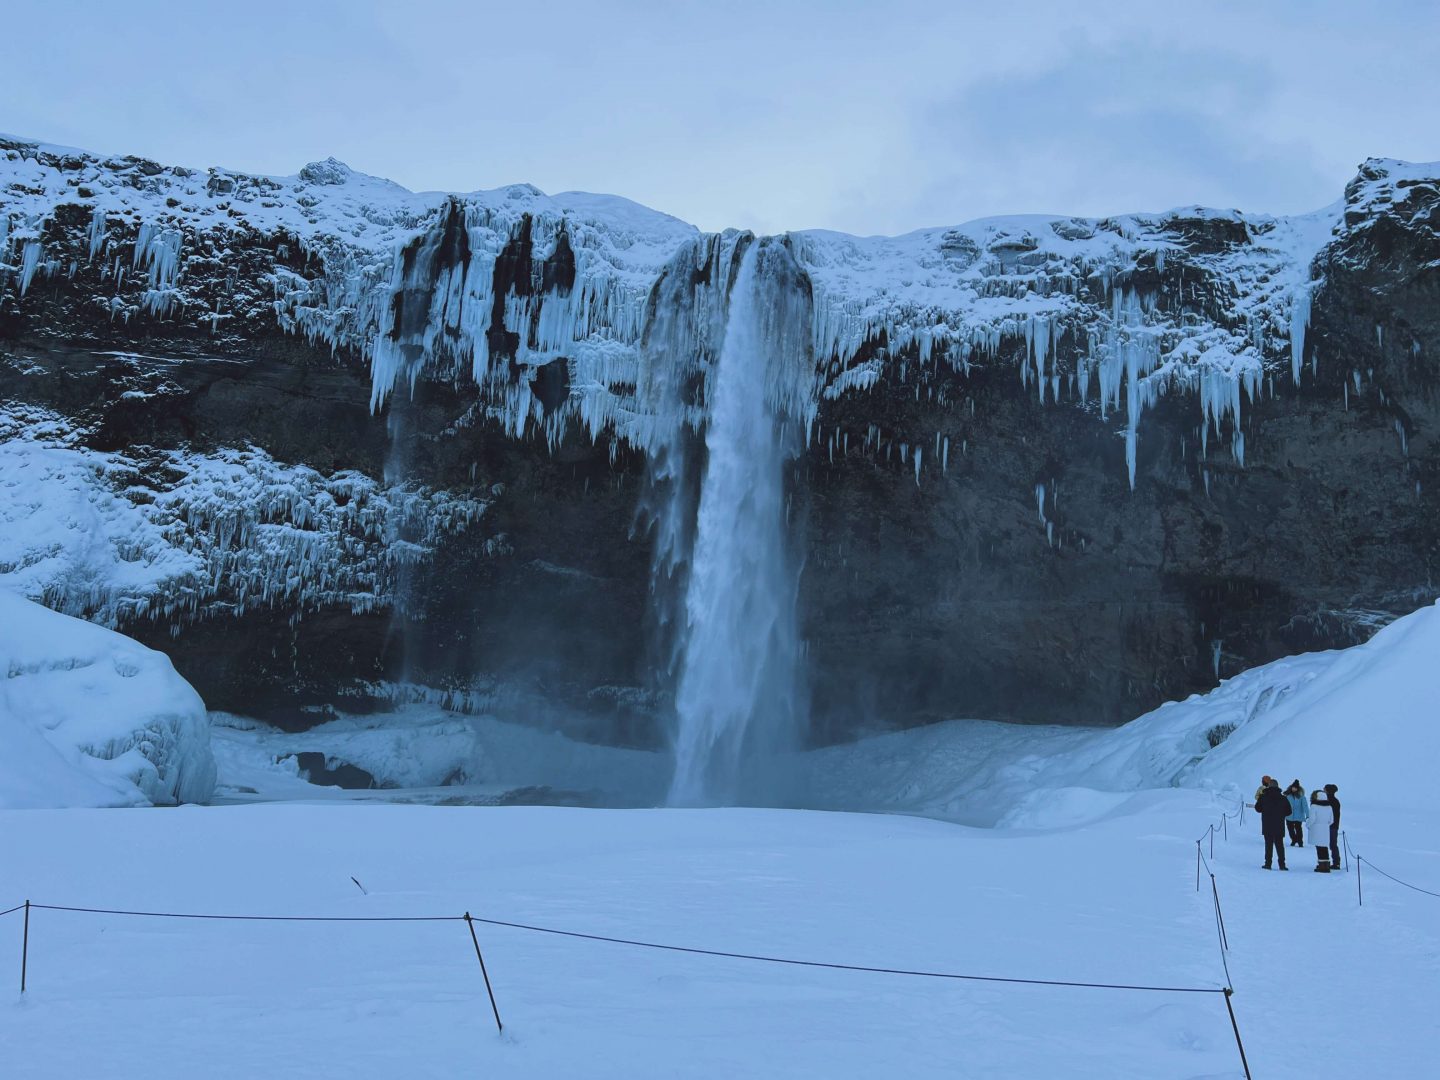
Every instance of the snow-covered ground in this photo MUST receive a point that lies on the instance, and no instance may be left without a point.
(1114, 902)
(1088, 875)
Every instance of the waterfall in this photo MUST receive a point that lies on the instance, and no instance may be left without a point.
(738, 690)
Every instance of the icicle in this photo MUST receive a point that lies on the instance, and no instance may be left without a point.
(1299, 323)
(29, 262)
(97, 232)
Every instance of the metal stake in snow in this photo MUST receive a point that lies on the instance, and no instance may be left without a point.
(25, 947)
(1236, 1027)
(493, 1007)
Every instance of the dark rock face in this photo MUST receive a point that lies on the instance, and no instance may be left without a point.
(922, 596)
(1012, 574)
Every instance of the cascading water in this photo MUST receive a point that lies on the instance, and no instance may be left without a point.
(738, 696)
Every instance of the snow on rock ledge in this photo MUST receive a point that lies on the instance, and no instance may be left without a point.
(110, 535)
(543, 301)
(90, 718)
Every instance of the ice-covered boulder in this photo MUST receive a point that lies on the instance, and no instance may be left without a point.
(89, 717)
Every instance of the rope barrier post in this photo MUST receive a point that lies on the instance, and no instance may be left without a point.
(499, 1027)
(1197, 865)
(1212, 841)
(1225, 824)
(1236, 1028)
(1359, 895)
(25, 947)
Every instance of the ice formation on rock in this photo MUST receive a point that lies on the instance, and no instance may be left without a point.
(545, 302)
(110, 535)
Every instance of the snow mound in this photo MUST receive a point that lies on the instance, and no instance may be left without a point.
(90, 718)
(1362, 718)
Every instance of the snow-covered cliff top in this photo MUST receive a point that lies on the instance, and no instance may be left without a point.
(324, 200)
(1107, 313)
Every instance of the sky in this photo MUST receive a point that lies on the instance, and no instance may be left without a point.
(863, 117)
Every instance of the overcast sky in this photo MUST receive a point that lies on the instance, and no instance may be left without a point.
(866, 117)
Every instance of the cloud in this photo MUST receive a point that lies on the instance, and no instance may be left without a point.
(1108, 129)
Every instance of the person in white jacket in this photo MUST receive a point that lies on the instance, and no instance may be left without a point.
(1318, 826)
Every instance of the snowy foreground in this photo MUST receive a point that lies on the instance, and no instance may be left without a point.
(1115, 901)
(1086, 871)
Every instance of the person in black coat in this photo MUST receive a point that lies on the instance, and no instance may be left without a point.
(1273, 808)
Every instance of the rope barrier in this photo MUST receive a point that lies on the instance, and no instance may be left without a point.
(1226, 991)
(1360, 858)
(1221, 937)
(624, 941)
(11, 911)
(255, 918)
(849, 967)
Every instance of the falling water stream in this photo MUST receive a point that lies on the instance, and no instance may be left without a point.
(738, 699)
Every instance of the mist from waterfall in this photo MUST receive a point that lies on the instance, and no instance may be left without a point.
(738, 695)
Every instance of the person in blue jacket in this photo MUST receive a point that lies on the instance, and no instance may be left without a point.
(1299, 811)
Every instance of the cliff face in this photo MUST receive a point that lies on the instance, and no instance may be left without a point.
(330, 442)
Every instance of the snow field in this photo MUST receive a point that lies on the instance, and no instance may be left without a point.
(1113, 901)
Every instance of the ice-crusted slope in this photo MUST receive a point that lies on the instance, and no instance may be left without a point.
(90, 718)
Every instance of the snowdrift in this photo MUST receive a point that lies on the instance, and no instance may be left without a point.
(1363, 718)
(89, 717)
